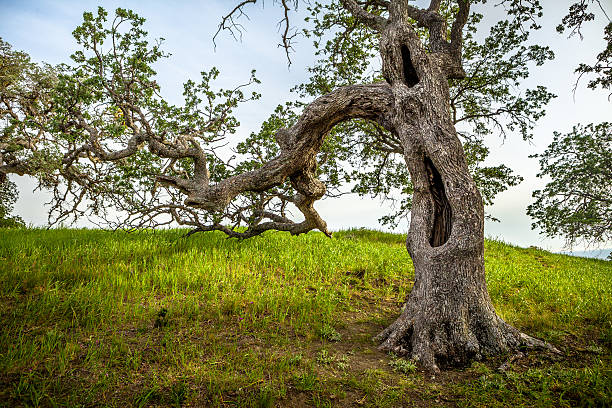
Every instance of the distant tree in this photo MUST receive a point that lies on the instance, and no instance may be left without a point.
(8, 197)
(25, 99)
(105, 138)
(21, 84)
(577, 203)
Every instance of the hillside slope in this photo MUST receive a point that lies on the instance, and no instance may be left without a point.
(95, 318)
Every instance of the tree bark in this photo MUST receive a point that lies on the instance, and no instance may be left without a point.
(448, 319)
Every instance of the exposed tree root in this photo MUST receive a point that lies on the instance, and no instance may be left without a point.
(455, 340)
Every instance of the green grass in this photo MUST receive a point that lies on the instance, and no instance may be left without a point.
(94, 318)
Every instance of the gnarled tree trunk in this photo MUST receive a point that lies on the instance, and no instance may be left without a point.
(448, 318)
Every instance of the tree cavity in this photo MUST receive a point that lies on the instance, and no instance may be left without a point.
(442, 212)
(410, 75)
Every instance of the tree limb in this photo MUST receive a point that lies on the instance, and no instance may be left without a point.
(371, 20)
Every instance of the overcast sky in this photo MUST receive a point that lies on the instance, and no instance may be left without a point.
(43, 30)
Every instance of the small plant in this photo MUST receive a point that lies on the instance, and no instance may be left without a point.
(265, 399)
(402, 365)
(595, 349)
(295, 360)
(179, 393)
(480, 368)
(146, 397)
(327, 332)
(161, 320)
(343, 363)
(324, 357)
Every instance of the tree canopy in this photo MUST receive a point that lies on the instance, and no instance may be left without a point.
(88, 151)
(577, 203)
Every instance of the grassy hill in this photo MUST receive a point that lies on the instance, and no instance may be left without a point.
(94, 318)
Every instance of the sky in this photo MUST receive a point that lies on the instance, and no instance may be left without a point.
(43, 28)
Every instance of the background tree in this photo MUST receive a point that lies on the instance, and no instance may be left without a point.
(24, 100)
(106, 138)
(576, 204)
(8, 197)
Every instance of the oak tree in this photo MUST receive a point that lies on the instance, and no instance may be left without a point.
(99, 135)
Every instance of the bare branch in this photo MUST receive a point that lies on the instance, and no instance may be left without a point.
(286, 37)
(456, 34)
(228, 22)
